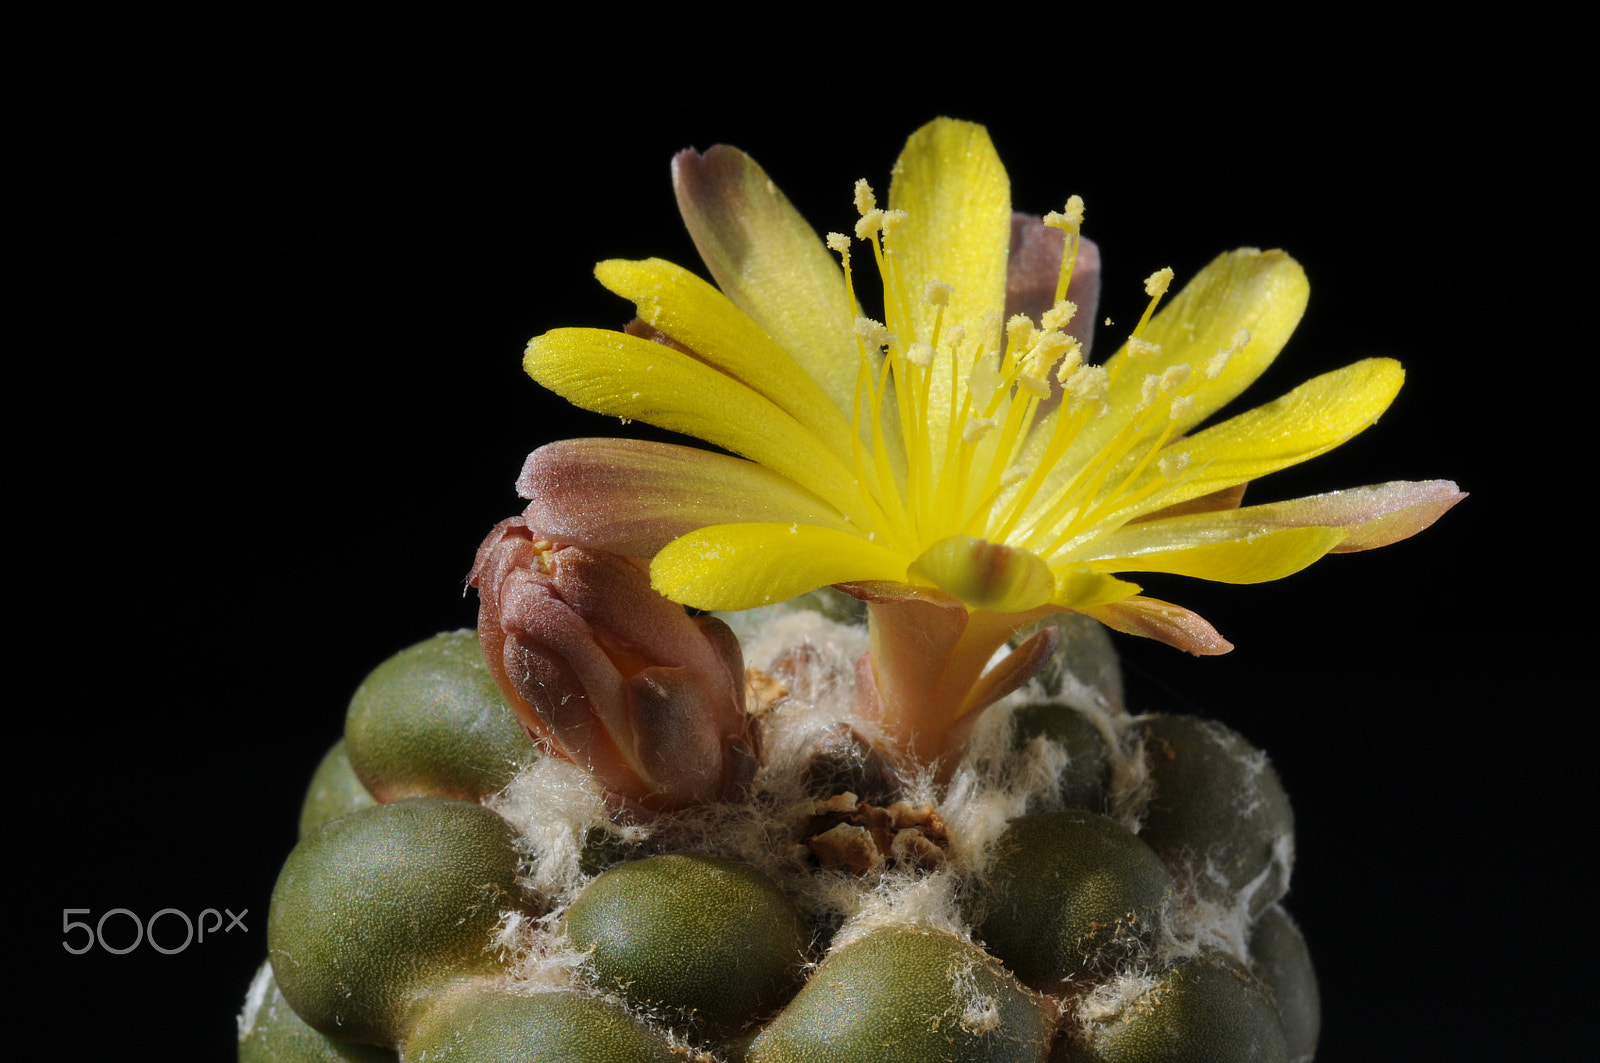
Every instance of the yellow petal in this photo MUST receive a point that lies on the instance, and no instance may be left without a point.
(624, 376)
(1263, 292)
(1310, 420)
(632, 497)
(951, 184)
(1264, 557)
(765, 258)
(1369, 516)
(742, 566)
(701, 318)
(1373, 516)
(1084, 587)
(950, 181)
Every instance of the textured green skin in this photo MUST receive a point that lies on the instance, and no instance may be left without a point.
(1084, 779)
(278, 1035)
(430, 721)
(477, 1026)
(709, 939)
(376, 908)
(890, 998)
(1209, 810)
(1279, 957)
(1069, 892)
(1209, 1010)
(334, 791)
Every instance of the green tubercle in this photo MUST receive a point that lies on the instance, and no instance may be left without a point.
(376, 909)
(430, 721)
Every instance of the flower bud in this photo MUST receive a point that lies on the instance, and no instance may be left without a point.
(603, 670)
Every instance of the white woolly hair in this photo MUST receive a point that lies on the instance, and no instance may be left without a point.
(555, 806)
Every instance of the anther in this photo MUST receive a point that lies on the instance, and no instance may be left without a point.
(976, 428)
(937, 293)
(920, 354)
(870, 222)
(872, 333)
(1070, 220)
(1156, 284)
(1035, 379)
(1059, 316)
(1149, 390)
(1140, 350)
(1219, 361)
(1070, 363)
(865, 200)
(1088, 384)
(991, 331)
(1019, 333)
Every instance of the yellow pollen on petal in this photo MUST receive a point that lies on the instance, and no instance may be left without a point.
(1142, 350)
(1171, 465)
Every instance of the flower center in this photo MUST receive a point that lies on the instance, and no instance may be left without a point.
(959, 427)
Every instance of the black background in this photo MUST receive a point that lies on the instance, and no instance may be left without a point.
(270, 399)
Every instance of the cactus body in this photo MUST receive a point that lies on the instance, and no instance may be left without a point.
(1085, 886)
(376, 909)
(712, 940)
(906, 995)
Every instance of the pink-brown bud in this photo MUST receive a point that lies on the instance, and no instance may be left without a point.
(603, 670)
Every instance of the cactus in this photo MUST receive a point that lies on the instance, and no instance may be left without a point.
(1008, 910)
(879, 796)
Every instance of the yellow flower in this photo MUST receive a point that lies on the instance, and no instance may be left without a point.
(938, 454)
